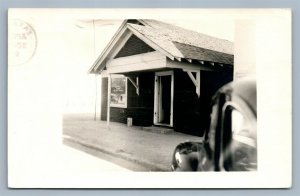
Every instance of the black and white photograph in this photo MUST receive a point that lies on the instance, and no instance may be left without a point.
(149, 98)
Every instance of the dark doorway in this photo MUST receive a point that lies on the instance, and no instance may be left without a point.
(163, 100)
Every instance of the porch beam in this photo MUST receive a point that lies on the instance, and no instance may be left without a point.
(189, 66)
(135, 63)
(178, 59)
(202, 62)
(189, 60)
(135, 84)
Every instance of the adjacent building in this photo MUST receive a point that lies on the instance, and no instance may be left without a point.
(158, 74)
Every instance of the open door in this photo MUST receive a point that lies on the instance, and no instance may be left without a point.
(163, 98)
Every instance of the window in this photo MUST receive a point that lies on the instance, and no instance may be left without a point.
(243, 144)
(239, 142)
(118, 91)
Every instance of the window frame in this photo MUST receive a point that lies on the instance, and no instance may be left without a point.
(118, 105)
(237, 104)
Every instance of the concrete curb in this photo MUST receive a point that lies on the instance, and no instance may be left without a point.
(147, 164)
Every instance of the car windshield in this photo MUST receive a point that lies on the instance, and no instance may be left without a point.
(241, 152)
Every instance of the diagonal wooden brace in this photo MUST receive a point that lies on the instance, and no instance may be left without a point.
(135, 84)
(196, 80)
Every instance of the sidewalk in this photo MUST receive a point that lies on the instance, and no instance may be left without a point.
(153, 150)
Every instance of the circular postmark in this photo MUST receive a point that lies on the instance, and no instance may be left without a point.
(22, 42)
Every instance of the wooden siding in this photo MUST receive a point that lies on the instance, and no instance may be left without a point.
(134, 46)
(186, 104)
(145, 61)
(191, 114)
(140, 108)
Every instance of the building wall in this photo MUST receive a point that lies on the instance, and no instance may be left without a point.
(140, 108)
(245, 49)
(186, 104)
(210, 83)
(191, 114)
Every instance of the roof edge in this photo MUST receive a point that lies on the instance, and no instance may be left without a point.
(149, 42)
(100, 58)
(125, 25)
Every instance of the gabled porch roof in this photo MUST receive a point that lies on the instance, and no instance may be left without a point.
(175, 43)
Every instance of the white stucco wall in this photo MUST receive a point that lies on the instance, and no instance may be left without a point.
(244, 49)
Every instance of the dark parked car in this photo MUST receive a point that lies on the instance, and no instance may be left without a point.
(230, 144)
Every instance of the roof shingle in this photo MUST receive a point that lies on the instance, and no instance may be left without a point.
(184, 43)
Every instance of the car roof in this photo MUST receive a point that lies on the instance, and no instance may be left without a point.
(245, 89)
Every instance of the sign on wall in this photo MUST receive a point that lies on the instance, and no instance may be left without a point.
(118, 96)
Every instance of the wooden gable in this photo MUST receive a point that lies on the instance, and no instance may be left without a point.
(134, 46)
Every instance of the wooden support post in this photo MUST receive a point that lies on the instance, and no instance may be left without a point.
(108, 100)
(172, 100)
(138, 86)
(198, 83)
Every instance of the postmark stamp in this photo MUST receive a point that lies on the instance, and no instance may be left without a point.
(22, 42)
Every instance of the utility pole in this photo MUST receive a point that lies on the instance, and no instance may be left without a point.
(96, 94)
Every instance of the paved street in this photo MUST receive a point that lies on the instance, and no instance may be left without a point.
(86, 161)
(132, 147)
(105, 157)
